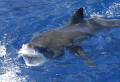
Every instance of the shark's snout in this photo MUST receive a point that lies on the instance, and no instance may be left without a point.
(31, 56)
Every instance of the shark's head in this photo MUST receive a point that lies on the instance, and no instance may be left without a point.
(37, 55)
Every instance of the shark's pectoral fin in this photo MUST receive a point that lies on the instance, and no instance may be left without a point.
(76, 17)
(78, 51)
(90, 63)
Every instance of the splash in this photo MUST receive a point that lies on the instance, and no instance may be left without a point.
(10, 72)
(2, 50)
(11, 75)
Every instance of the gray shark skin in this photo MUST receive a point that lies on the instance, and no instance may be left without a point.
(52, 43)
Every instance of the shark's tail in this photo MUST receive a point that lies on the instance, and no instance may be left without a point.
(110, 23)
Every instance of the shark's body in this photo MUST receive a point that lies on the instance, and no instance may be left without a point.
(51, 44)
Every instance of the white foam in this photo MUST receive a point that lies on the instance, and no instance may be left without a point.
(12, 76)
(2, 50)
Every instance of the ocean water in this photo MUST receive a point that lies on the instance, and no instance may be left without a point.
(20, 20)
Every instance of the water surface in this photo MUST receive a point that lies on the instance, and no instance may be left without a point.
(21, 19)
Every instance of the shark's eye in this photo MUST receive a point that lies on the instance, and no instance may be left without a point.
(40, 49)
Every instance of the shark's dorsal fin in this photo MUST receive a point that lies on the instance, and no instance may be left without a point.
(76, 17)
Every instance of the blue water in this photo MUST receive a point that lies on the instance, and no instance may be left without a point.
(21, 19)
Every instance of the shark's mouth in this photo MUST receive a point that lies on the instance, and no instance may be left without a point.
(33, 61)
(31, 57)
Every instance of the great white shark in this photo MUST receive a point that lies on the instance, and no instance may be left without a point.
(50, 44)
